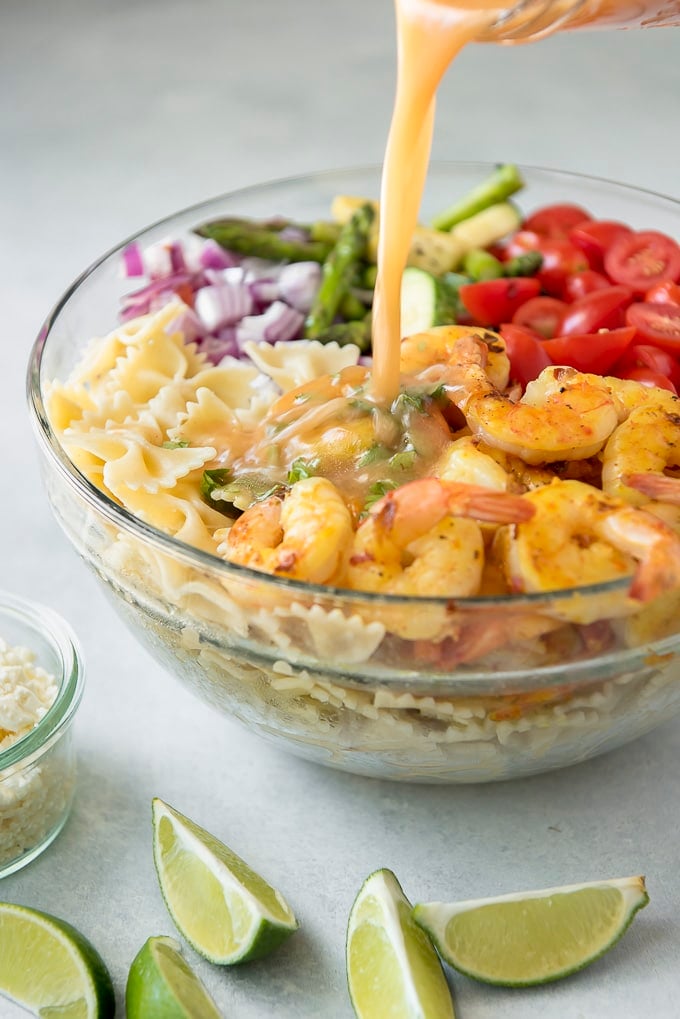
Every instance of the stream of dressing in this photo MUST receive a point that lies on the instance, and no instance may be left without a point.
(430, 33)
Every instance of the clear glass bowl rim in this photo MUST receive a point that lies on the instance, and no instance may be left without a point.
(122, 518)
(58, 717)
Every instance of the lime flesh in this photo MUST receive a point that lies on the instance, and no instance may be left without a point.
(392, 968)
(224, 909)
(533, 937)
(50, 968)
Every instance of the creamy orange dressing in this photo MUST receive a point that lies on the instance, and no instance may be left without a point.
(429, 35)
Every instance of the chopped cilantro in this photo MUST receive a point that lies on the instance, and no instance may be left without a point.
(377, 491)
(170, 444)
(301, 468)
(372, 455)
(212, 480)
(403, 461)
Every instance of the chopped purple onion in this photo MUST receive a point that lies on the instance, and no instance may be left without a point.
(222, 304)
(299, 283)
(133, 264)
(279, 322)
(218, 347)
(264, 291)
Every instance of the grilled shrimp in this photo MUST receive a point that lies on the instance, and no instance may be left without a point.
(640, 451)
(304, 535)
(439, 346)
(547, 425)
(580, 536)
(416, 542)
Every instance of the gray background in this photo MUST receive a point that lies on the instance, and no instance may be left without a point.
(114, 114)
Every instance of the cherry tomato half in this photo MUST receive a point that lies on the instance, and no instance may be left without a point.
(595, 236)
(541, 315)
(590, 352)
(526, 352)
(494, 301)
(647, 377)
(645, 356)
(641, 260)
(664, 293)
(560, 259)
(579, 284)
(603, 309)
(555, 221)
(658, 324)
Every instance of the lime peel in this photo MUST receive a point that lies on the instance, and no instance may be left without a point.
(392, 967)
(50, 968)
(224, 909)
(162, 985)
(533, 937)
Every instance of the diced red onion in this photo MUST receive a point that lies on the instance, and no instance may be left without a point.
(218, 347)
(188, 323)
(299, 283)
(278, 322)
(223, 304)
(139, 302)
(264, 291)
(260, 268)
(133, 264)
(157, 260)
(231, 274)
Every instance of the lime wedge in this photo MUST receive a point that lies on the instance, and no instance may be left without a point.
(226, 911)
(50, 968)
(392, 968)
(162, 985)
(533, 937)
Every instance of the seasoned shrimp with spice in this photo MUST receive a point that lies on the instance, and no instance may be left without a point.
(580, 536)
(304, 535)
(424, 538)
(640, 451)
(570, 422)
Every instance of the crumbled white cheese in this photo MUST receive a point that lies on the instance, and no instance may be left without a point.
(33, 796)
(27, 691)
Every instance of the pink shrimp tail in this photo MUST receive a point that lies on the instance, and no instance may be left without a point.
(655, 486)
(658, 573)
(411, 510)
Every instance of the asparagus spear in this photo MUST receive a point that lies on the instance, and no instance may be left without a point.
(248, 237)
(342, 333)
(527, 264)
(502, 183)
(338, 270)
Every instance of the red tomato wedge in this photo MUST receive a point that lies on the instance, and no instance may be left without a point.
(643, 356)
(658, 324)
(590, 352)
(664, 293)
(541, 315)
(647, 377)
(555, 220)
(560, 259)
(493, 301)
(527, 354)
(602, 309)
(595, 236)
(579, 284)
(641, 260)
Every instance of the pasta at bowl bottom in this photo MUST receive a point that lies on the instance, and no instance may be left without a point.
(314, 673)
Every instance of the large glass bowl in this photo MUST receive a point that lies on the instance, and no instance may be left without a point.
(417, 689)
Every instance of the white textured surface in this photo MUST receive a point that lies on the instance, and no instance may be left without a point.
(113, 114)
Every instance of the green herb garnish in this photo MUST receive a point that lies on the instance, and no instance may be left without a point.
(301, 468)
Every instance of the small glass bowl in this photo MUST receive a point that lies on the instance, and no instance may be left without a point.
(38, 771)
